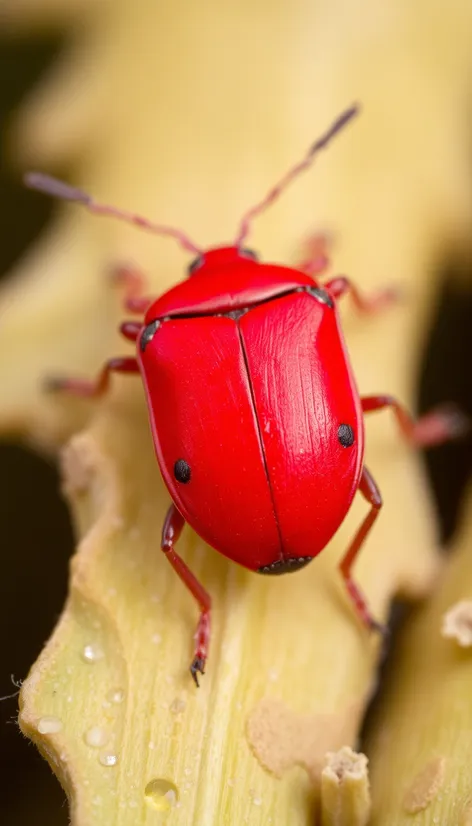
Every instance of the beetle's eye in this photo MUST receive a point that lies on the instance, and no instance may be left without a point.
(249, 254)
(195, 265)
(346, 435)
(182, 471)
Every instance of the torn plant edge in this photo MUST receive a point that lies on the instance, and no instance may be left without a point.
(345, 789)
(87, 472)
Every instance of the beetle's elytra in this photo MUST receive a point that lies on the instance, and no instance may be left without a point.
(257, 422)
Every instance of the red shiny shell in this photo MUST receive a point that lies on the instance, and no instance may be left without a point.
(226, 282)
(253, 406)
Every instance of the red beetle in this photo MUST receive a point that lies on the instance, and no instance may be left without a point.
(256, 418)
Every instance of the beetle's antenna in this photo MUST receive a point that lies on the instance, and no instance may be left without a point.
(58, 189)
(274, 193)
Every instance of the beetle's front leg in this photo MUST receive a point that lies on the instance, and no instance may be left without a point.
(440, 425)
(92, 389)
(370, 491)
(134, 283)
(316, 252)
(365, 304)
(172, 529)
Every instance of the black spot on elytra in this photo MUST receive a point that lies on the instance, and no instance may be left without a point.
(182, 471)
(345, 435)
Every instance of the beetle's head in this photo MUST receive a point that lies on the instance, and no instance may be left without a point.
(219, 257)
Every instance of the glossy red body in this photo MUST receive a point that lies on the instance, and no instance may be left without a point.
(248, 380)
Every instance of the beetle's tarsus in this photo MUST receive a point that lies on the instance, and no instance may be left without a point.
(458, 423)
(379, 628)
(197, 667)
(53, 384)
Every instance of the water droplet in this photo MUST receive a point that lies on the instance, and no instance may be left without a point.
(49, 725)
(255, 798)
(177, 706)
(161, 794)
(108, 759)
(152, 745)
(96, 737)
(187, 771)
(116, 695)
(97, 800)
(156, 639)
(92, 653)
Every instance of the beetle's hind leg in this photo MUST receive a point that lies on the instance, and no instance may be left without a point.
(92, 389)
(378, 301)
(170, 533)
(135, 284)
(371, 493)
(439, 426)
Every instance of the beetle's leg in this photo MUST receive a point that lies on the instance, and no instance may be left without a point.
(171, 531)
(134, 283)
(370, 491)
(92, 389)
(130, 329)
(316, 251)
(440, 425)
(366, 304)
